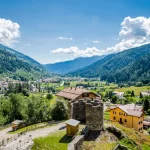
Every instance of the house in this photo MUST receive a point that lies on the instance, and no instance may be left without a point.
(119, 94)
(33, 88)
(72, 127)
(129, 115)
(73, 93)
(145, 94)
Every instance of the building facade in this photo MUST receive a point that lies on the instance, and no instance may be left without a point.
(129, 115)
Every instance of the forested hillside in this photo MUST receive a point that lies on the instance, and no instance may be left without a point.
(68, 66)
(139, 70)
(18, 66)
(113, 67)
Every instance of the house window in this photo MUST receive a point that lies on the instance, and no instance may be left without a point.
(113, 112)
(125, 120)
(114, 118)
(139, 122)
(139, 129)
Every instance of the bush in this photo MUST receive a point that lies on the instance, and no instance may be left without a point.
(148, 130)
(25, 92)
(148, 112)
(138, 84)
(59, 111)
(49, 96)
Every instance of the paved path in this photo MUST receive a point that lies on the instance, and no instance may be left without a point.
(4, 133)
(34, 134)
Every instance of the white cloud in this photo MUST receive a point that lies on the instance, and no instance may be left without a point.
(65, 38)
(96, 42)
(77, 52)
(134, 32)
(9, 31)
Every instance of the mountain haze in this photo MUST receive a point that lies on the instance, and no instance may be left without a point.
(113, 67)
(71, 65)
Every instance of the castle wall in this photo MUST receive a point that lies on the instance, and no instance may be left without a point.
(94, 116)
(88, 111)
(78, 110)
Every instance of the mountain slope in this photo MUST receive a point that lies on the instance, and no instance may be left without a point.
(20, 55)
(107, 67)
(138, 70)
(68, 66)
(19, 66)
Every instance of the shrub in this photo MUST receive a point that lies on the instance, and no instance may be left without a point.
(49, 96)
(59, 111)
(148, 130)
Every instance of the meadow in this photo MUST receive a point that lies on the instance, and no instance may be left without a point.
(136, 90)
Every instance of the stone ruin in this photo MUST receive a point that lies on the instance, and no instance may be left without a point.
(89, 112)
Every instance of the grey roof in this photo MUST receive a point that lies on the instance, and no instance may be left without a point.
(18, 121)
(130, 109)
(72, 122)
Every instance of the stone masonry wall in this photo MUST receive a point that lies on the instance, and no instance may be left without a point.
(88, 111)
(78, 110)
(94, 115)
(76, 143)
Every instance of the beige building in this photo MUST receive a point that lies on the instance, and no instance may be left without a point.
(73, 93)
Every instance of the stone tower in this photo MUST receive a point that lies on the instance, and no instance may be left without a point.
(87, 111)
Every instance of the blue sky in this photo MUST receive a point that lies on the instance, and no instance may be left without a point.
(58, 30)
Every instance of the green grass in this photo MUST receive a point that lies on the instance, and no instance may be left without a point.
(99, 145)
(60, 88)
(55, 141)
(136, 90)
(29, 128)
(128, 143)
(139, 138)
(53, 100)
(106, 115)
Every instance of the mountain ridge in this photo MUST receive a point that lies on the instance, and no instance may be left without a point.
(18, 66)
(70, 65)
(111, 64)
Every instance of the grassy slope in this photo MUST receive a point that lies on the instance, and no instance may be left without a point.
(55, 141)
(140, 139)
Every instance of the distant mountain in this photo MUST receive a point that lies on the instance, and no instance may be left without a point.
(120, 67)
(71, 65)
(16, 65)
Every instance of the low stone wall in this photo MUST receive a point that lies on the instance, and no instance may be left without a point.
(76, 143)
(27, 146)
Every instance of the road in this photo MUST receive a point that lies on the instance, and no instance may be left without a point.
(29, 136)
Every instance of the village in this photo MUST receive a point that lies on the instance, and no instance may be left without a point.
(99, 114)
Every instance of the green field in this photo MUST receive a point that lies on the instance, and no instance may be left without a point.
(136, 90)
(55, 141)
